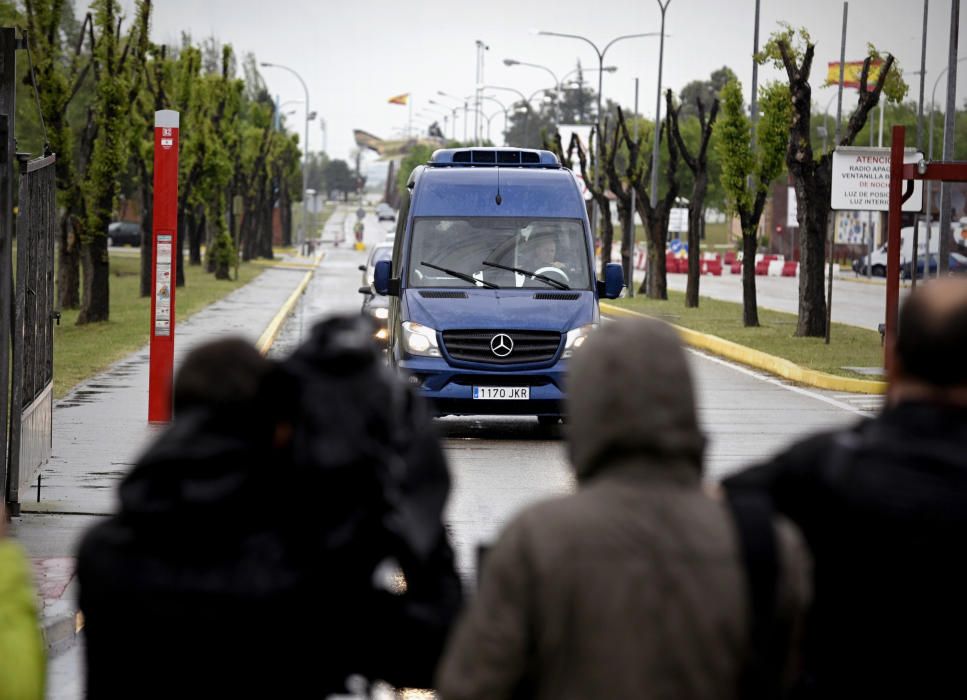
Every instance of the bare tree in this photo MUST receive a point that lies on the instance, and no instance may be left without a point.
(698, 164)
(621, 187)
(793, 52)
(588, 172)
(655, 218)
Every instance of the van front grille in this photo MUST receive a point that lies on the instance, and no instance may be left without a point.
(492, 346)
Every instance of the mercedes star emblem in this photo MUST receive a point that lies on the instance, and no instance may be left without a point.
(501, 345)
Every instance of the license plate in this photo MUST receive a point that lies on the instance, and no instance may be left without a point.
(502, 393)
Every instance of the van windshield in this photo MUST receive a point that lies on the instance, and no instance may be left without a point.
(554, 249)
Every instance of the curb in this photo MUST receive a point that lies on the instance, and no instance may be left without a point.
(271, 332)
(762, 360)
(904, 284)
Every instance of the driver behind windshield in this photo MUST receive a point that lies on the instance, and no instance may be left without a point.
(541, 251)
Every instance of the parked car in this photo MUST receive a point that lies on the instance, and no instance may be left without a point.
(124, 233)
(384, 212)
(956, 266)
(878, 259)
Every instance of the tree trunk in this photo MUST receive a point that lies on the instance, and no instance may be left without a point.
(147, 241)
(607, 232)
(97, 279)
(813, 202)
(750, 307)
(695, 208)
(180, 248)
(285, 214)
(222, 269)
(196, 230)
(68, 271)
(626, 219)
(655, 284)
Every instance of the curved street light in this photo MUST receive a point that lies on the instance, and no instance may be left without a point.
(453, 114)
(466, 108)
(305, 153)
(606, 69)
(503, 108)
(512, 62)
(601, 53)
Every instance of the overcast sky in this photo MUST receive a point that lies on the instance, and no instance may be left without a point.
(355, 55)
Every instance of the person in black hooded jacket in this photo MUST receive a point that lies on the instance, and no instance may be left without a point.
(280, 536)
(882, 505)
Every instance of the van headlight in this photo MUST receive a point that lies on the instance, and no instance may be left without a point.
(380, 312)
(575, 338)
(420, 340)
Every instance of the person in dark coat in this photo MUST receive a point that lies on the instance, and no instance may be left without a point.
(883, 507)
(634, 586)
(279, 537)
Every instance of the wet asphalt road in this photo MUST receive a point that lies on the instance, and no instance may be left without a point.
(500, 465)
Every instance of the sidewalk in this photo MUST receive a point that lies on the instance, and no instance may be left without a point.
(100, 428)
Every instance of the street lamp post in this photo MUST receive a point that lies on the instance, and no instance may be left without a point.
(305, 155)
(606, 69)
(466, 108)
(524, 98)
(654, 154)
(600, 53)
(503, 108)
(453, 114)
(511, 62)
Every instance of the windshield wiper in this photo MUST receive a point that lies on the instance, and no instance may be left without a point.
(543, 278)
(461, 276)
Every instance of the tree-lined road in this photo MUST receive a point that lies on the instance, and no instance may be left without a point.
(502, 464)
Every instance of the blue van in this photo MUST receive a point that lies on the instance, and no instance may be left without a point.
(492, 281)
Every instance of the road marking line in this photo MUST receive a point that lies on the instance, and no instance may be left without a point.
(772, 380)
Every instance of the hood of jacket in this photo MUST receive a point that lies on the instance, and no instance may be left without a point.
(632, 404)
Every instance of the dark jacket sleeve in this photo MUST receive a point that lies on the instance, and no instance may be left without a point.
(789, 478)
(488, 655)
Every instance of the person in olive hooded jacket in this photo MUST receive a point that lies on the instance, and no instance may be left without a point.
(22, 657)
(633, 586)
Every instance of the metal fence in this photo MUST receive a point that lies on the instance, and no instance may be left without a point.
(31, 399)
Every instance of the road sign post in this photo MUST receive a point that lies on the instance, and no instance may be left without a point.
(164, 242)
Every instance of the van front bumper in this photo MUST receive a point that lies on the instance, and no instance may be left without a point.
(450, 389)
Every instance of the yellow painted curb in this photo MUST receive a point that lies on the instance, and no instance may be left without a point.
(762, 360)
(265, 341)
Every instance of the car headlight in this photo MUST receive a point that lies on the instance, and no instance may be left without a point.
(420, 340)
(380, 312)
(575, 338)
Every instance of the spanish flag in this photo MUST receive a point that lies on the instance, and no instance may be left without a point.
(852, 70)
(399, 99)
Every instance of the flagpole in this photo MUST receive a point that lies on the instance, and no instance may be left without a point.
(409, 118)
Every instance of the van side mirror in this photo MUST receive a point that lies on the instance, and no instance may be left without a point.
(614, 281)
(382, 282)
(362, 268)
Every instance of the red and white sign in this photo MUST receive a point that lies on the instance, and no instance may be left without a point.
(164, 241)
